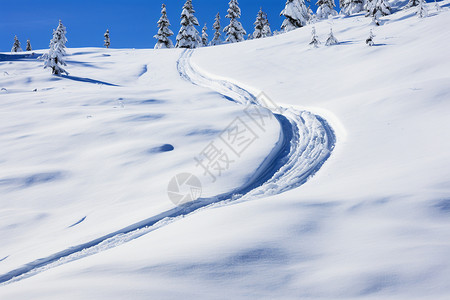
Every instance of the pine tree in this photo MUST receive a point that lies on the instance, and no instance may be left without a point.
(29, 46)
(349, 7)
(16, 45)
(188, 36)
(377, 9)
(234, 31)
(54, 59)
(331, 40)
(422, 10)
(437, 7)
(296, 14)
(369, 40)
(107, 39)
(266, 32)
(204, 36)
(325, 9)
(411, 3)
(262, 26)
(216, 40)
(314, 38)
(164, 33)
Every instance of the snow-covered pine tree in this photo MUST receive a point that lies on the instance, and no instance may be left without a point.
(437, 7)
(422, 10)
(296, 15)
(331, 40)
(369, 40)
(234, 31)
(349, 7)
(204, 36)
(164, 33)
(216, 39)
(261, 26)
(377, 9)
(29, 46)
(325, 9)
(314, 38)
(411, 3)
(54, 59)
(16, 45)
(188, 36)
(107, 39)
(266, 32)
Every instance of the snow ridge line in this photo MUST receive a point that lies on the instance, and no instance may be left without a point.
(306, 142)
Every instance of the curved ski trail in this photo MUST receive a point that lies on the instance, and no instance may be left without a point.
(306, 142)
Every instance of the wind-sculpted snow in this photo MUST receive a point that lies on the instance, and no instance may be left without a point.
(305, 143)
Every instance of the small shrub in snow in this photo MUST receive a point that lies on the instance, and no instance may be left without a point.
(314, 38)
(107, 39)
(29, 48)
(437, 7)
(164, 33)
(55, 57)
(422, 10)
(331, 40)
(235, 32)
(16, 45)
(369, 40)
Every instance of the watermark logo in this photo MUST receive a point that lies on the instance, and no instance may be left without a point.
(184, 188)
(227, 149)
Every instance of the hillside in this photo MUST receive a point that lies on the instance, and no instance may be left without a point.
(342, 193)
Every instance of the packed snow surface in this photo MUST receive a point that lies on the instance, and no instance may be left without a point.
(344, 192)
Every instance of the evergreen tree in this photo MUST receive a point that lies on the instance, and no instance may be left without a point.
(325, 9)
(331, 40)
(164, 33)
(313, 19)
(107, 39)
(262, 26)
(234, 31)
(188, 36)
(369, 40)
(29, 46)
(349, 7)
(411, 3)
(54, 59)
(377, 9)
(216, 40)
(204, 36)
(296, 15)
(16, 45)
(422, 10)
(437, 7)
(266, 32)
(314, 38)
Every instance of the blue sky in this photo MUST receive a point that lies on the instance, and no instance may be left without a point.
(132, 23)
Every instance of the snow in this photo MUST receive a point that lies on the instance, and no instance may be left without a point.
(86, 156)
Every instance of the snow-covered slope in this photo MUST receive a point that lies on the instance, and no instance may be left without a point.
(85, 156)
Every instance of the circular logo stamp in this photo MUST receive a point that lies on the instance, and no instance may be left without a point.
(184, 188)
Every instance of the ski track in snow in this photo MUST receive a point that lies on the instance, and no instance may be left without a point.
(306, 142)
